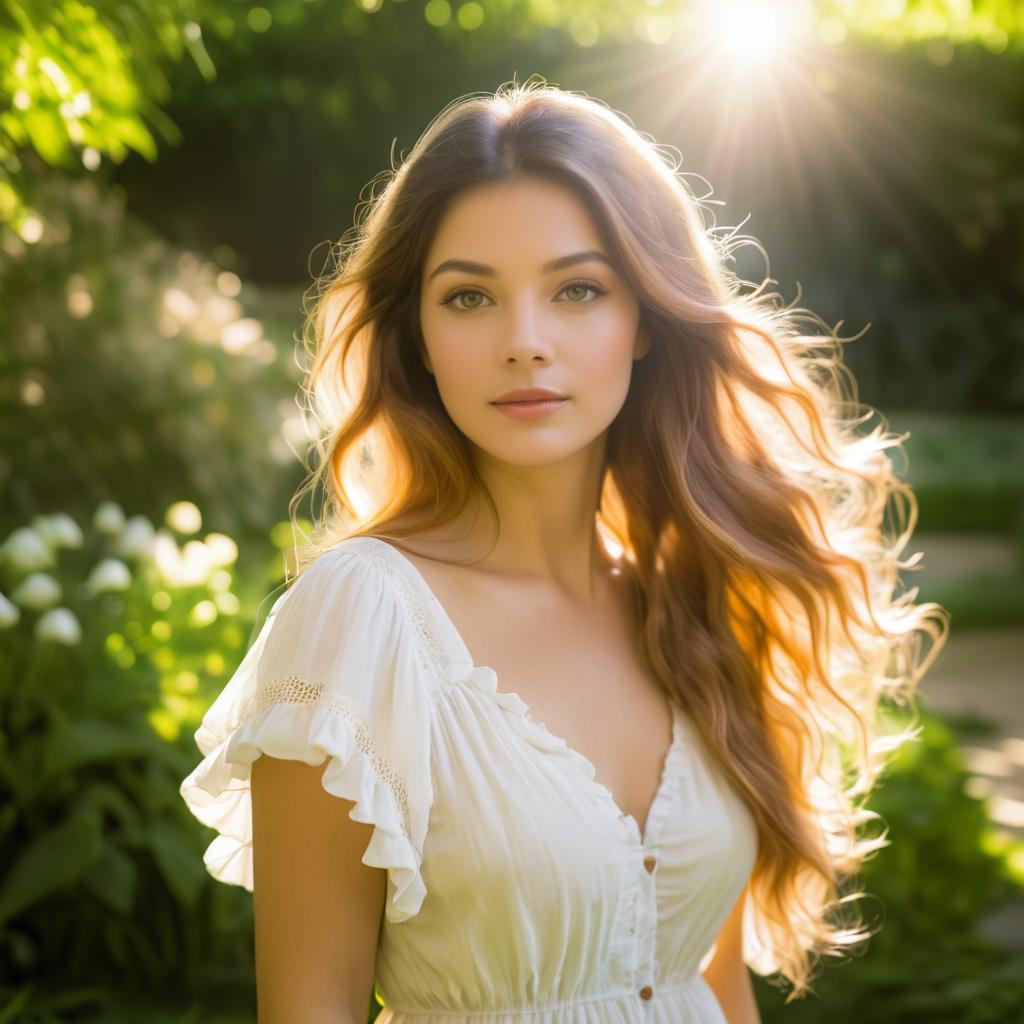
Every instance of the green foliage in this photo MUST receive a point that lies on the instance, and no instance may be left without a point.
(79, 78)
(995, 24)
(131, 370)
(965, 473)
(932, 266)
(965, 470)
(104, 641)
(926, 894)
(984, 599)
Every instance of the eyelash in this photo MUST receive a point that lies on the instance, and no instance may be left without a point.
(592, 285)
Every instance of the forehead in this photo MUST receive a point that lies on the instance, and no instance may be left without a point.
(521, 222)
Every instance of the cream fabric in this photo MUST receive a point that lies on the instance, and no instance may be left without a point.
(516, 886)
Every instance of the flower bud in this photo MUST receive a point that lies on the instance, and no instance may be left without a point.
(184, 517)
(26, 550)
(10, 613)
(38, 591)
(136, 539)
(109, 574)
(60, 626)
(58, 530)
(109, 518)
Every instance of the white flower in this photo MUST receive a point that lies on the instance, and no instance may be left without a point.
(60, 626)
(186, 567)
(184, 517)
(196, 563)
(109, 518)
(222, 549)
(136, 540)
(9, 613)
(58, 530)
(109, 574)
(26, 550)
(38, 591)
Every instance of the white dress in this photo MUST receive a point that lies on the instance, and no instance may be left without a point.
(517, 890)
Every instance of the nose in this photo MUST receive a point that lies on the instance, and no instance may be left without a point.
(524, 335)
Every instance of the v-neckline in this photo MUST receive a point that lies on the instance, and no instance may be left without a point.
(642, 833)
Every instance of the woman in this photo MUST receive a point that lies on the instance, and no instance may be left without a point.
(590, 641)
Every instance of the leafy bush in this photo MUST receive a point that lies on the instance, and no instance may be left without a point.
(131, 371)
(983, 599)
(965, 470)
(946, 867)
(102, 886)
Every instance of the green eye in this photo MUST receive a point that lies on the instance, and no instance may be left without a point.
(452, 296)
(580, 284)
(585, 285)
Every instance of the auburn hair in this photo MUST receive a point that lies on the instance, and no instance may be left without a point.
(758, 515)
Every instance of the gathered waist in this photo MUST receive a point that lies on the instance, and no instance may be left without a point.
(607, 1008)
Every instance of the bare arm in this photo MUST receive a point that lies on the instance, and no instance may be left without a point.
(728, 975)
(317, 907)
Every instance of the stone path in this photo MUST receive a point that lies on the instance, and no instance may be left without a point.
(980, 674)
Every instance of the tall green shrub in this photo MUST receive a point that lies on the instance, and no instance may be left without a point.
(105, 637)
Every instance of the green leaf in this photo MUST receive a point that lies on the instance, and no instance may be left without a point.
(8, 817)
(71, 745)
(112, 879)
(106, 797)
(175, 853)
(12, 1010)
(47, 133)
(50, 861)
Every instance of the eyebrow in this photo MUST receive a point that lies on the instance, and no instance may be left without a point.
(483, 270)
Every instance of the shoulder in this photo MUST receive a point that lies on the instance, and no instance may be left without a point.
(342, 600)
(342, 572)
(353, 553)
(355, 602)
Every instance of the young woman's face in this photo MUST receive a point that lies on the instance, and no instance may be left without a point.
(513, 322)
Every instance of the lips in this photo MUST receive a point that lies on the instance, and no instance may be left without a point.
(532, 409)
(527, 396)
(532, 401)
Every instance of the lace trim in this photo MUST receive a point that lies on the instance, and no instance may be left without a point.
(416, 609)
(293, 690)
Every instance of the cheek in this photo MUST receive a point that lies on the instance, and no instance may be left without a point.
(459, 369)
(447, 345)
(458, 383)
(603, 366)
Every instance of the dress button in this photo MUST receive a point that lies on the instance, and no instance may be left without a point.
(649, 862)
(646, 992)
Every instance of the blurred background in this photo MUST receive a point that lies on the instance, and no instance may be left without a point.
(171, 178)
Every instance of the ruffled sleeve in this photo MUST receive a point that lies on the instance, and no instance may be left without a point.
(334, 675)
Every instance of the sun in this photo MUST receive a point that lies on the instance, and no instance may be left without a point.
(752, 34)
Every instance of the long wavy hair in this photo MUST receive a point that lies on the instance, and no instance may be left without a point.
(758, 516)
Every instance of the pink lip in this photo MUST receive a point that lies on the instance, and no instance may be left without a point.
(530, 410)
(529, 395)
